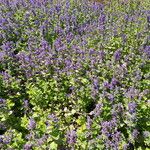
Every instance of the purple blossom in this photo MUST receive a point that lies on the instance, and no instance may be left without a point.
(101, 54)
(7, 46)
(91, 52)
(59, 44)
(95, 83)
(127, 146)
(148, 19)
(44, 45)
(138, 75)
(117, 55)
(59, 30)
(2, 101)
(116, 137)
(53, 117)
(2, 55)
(27, 146)
(6, 76)
(146, 134)
(58, 8)
(111, 137)
(67, 4)
(69, 37)
(7, 139)
(102, 18)
(117, 109)
(89, 122)
(114, 81)
(1, 138)
(95, 7)
(71, 137)
(68, 63)
(132, 107)
(32, 2)
(110, 97)
(113, 141)
(147, 51)
(108, 126)
(124, 38)
(106, 84)
(98, 109)
(29, 136)
(3, 21)
(26, 103)
(32, 124)
(135, 133)
(132, 93)
(42, 140)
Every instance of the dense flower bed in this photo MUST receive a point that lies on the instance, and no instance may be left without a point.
(74, 75)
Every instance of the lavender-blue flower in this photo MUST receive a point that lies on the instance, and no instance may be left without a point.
(32, 124)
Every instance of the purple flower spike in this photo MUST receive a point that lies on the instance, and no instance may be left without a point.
(148, 19)
(2, 101)
(67, 4)
(32, 124)
(135, 133)
(146, 134)
(106, 84)
(132, 107)
(102, 19)
(89, 122)
(2, 55)
(95, 83)
(147, 51)
(26, 103)
(114, 81)
(97, 111)
(117, 55)
(71, 137)
(58, 8)
(27, 146)
(53, 117)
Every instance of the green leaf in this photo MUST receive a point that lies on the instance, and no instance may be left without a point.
(10, 104)
(53, 146)
(24, 121)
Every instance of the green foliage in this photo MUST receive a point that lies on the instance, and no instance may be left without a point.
(63, 82)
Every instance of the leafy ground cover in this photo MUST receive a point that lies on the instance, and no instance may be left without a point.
(74, 75)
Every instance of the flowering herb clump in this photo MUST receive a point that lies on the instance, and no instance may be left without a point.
(74, 75)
